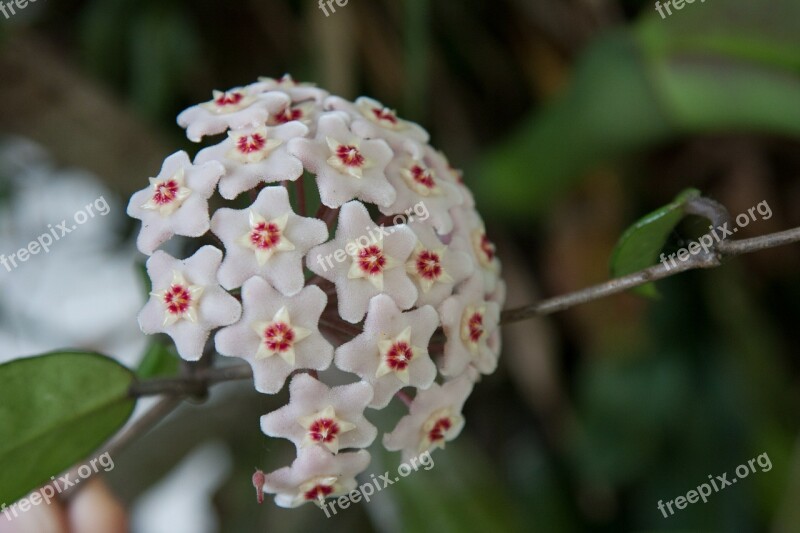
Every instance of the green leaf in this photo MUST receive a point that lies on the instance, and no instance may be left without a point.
(55, 410)
(721, 67)
(609, 109)
(641, 243)
(159, 360)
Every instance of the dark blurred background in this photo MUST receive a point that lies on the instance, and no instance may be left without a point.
(572, 119)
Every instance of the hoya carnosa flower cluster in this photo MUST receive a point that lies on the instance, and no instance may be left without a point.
(345, 243)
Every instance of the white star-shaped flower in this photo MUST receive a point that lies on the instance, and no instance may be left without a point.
(241, 107)
(392, 352)
(346, 166)
(469, 320)
(316, 474)
(371, 119)
(176, 202)
(365, 260)
(273, 324)
(436, 267)
(187, 302)
(319, 415)
(255, 155)
(418, 184)
(266, 240)
(434, 418)
(180, 299)
(279, 336)
(470, 236)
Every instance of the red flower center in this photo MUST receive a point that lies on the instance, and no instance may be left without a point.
(385, 114)
(318, 492)
(248, 144)
(278, 337)
(438, 430)
(229, 98)
(399, 356)
(429, 265)
(487, 247)
(423, 176)
(475, 326)
(349, 155)
(177, 299)
(323, 430)
(265, 235)
(289, 114)
(165, 192)
(371, 260)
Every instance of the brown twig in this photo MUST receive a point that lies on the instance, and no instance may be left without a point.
(725, 248)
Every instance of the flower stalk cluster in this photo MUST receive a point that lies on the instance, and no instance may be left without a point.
(408, 311)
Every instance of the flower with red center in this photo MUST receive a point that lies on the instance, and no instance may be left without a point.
(420, 192)
(372, 120)
(266, 237)
(347, 166)
(180, 299)
(396, 355)
(315, 474)
(324, 428)
(484, 248)
(472, 329)
(268, 240)
(228, 101)
(279, 336)
(255, 155)
(242, 107)
(440, 427)
(176, 202)
(426, 265)
(252, 145)
(380, 114)
(187, 301)
(470, 228)
(392, 352)
(347, 158)
(168, 194)
(469, 320)
(319, 415)
(317, 490)
(434, 418)
(299, 112)
(360, 276)
(369, 262)
(421, 179)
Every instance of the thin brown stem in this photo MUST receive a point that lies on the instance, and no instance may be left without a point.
(300, 190)
(404, 397)
(653, 273)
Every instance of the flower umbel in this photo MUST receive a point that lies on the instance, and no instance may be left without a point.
(405, 296)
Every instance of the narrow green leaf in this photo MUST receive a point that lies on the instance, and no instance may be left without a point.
(641, 243)
(55, 410)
